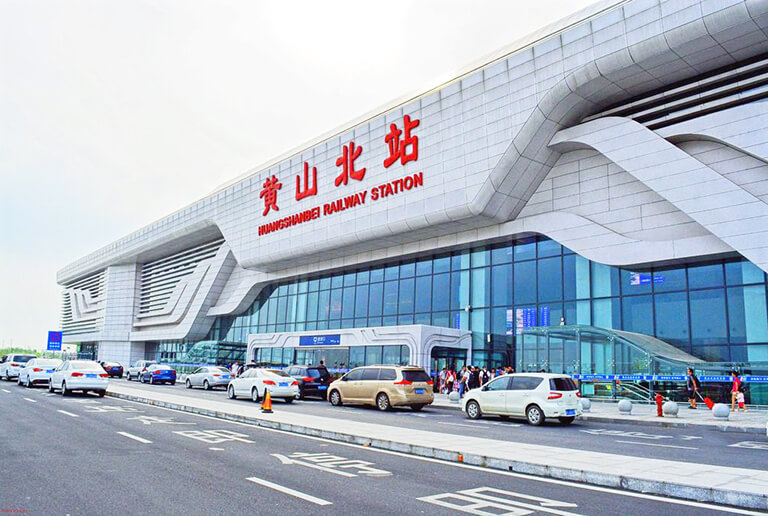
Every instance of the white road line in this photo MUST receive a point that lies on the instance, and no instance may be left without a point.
(135, 437)
(459, 424)
(6, 390)
(659, 445)
(532, 478)
(216, 449)
(67, 413)
(31, 400)
(289, 491)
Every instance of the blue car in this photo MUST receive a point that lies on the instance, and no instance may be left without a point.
(158, 373)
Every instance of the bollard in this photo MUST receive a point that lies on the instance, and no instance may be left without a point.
(670, 409)
(625, 407)
(721, 411)
(586, 404)
(454, 397)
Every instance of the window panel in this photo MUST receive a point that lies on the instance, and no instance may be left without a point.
(747, 315)
(377, 275)
(708, 317)
(391, 272)
(375, 299)
(460, 260)
(337, 281)
(525, 249)
(637, 314)
(481, 288)
(405, 304)
(348, 303)
(744, 272)
(441, 264)
(324, 304)
(605, 313)
(441, 285)
(668, 280)
(636, 282)
(424, 267)
(361, 301)
(502, 254)
(548, 247)
(501, 285)
(311, 306)
(550, 280)
(423, 296)
(525, 282)
(408, 270)
(459, 289)
(575, 277)
(390, 297)
(479, 257)
(605, 280)
(672, 318)
(705, 276)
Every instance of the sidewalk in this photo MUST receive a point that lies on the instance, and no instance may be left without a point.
(702, 482)
(753, 421)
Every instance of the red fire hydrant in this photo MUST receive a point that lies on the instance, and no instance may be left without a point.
(659, 400)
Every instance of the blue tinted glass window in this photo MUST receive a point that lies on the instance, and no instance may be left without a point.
(672, 318)
(525, 282)
(349, 279)
(705, 276)
(713, 353)
(314, 285)
(336, 296)
(423, 301)
(459, 290)
(303, 286)
(325, 283)
(282, 290)
(550, 280)
(501, 254)
(423, 318)
(441, 287)
(424, 267)
(525, 249)
(405, 319)
(311, 306)
(479, 257)
(390, 297)
(408, 270)
(460, 260)
(637, 314)
(747, 315)
(499, 321)
(667, 280)
(744, 272)
(324, 304)
(441, 319)
(406, 296)
(441, 264)
(575, 277)
(390, 273)
(373, 355)
(292, 287)
(481, 288)
(636, 282)
(377, 275)
(549, 248)
(361, 301)
(363, 277)
(337, 281)
(501, 285)
(605, 280)
(605, 313)
(348, 303)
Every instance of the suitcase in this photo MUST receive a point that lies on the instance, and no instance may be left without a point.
(708, 402)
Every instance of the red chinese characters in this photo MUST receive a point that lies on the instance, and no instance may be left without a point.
(307, 190)
(347, 161)
(398, 148)
(269, 194)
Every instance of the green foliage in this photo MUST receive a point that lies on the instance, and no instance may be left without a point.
(35, 352)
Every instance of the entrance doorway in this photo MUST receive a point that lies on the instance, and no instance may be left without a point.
(450, 358)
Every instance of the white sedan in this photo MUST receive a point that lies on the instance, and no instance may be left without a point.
(37, 371)
(254, 383)
(79, 375)
(534, 396)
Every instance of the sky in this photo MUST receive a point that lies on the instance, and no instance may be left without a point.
(116, 113)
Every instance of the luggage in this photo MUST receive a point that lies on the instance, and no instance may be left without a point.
(708, 402)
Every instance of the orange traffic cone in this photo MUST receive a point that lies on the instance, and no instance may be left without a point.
(266, 404)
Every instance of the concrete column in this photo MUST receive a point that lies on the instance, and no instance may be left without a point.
(121, 284)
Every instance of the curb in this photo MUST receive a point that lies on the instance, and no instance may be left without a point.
(667, 422)
(700, 494)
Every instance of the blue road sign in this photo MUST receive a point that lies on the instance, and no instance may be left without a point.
(54, 341)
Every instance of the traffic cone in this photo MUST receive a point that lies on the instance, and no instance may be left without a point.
(266, 404)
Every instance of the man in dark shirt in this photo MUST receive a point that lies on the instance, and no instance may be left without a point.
(474, 378)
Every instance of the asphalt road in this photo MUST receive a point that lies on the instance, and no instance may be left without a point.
(88, 455)
(692, 444)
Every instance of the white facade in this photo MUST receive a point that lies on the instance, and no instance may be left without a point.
(632, 133)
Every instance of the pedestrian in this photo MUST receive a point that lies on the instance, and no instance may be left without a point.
(485, 376)
(734, 389)
(693, 385)
(450, 378)
(493, 372)
(234, 369)
(740, 399)
(463, 380)
(443, 380)
(474, 377)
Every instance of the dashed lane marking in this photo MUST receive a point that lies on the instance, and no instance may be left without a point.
(31, 400)
(461, 424)
(289, 491)
(659, 445)
(6, 390)
(135, 438)
(67, 413)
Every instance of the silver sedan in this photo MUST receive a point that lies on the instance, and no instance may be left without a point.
(208, 377)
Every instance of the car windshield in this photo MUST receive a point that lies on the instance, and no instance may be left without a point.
(85, 364)
(24, 358)
(318, 372)
(219, 370)
(275, 372)
(562, 384)
(416, 375)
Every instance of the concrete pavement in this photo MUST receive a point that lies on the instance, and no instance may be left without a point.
(696, 481)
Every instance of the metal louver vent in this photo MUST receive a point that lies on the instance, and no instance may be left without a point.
(159, 278)
(76, 320)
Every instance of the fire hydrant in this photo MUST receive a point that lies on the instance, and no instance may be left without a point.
(659, 400)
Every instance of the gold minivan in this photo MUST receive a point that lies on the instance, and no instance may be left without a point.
(384, 387)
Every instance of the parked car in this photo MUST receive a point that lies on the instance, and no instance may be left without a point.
(254, 383)
(208, 377)
(138, 367)
(79, 375)
(158, 373)
(384, 387)
(313, 380)
(113, 369)
(534, 396)
(10, 365)
(37, 371)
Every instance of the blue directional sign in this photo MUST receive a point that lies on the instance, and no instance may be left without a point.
(54, 341)
(319, 340)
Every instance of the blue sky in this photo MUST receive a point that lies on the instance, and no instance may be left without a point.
(114, 114)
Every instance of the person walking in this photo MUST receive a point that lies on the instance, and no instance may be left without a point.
(485, 376)
(450, 378)
(734, 389)
(693, 384)
(474, 377)
(463, 379)
(234, 369)
(740, 399)
(443, 380)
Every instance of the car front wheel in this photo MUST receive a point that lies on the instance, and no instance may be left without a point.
(335, 398)
(535, 415)
(473, 410)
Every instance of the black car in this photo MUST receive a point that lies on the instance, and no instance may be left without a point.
(313, 380)
(113, 369)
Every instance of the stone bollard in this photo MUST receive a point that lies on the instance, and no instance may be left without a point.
(586, 404)
(670, 409)
(625, 407)
(454, 397)
(721, 411)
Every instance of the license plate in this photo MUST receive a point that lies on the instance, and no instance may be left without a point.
(226, 376)
(322, 387)
(90, 376)
(283, 384)
(49, 370)
(419, 391)
(570, 412)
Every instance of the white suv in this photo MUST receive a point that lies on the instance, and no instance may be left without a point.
(10, 365)
(534, 396)
(137, 368)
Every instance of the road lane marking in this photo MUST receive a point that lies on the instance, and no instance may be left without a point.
(135, 437)
(68, 413)
(511, 474)
(6, 390)
(459, 424)
(659, 445)
(216, 449)
(289, 491)
(473, 501)
(31, 400)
